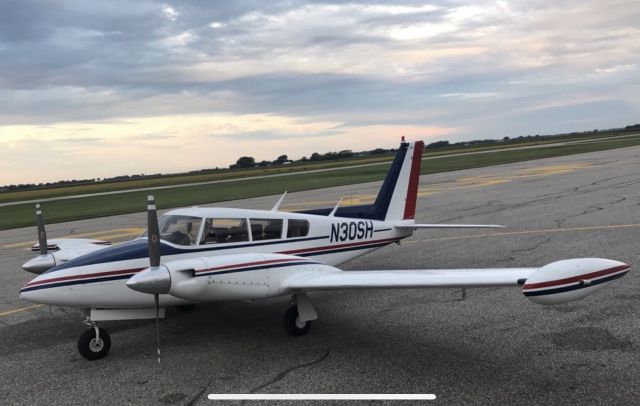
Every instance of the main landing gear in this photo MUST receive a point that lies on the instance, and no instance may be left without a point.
(298, 317)
(94, 343)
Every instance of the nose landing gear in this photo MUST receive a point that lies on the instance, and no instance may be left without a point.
(94, 343)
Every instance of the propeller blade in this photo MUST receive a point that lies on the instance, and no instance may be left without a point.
(157, 300)
(153, 234)
(42, 234)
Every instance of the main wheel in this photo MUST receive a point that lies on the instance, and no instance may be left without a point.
(292, 323)
(93, 348)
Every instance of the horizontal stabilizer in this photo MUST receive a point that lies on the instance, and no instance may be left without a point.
(408, 226)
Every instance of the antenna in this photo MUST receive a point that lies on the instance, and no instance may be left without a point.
(279, 202)
(336, 208)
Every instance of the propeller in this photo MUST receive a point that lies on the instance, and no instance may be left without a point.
(45, 261)
(156, 279)
(42, 233)
(153, 238)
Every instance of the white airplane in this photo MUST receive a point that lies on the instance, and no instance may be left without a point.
(196, 255)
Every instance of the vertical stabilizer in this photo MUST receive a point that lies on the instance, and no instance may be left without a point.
(397, 197)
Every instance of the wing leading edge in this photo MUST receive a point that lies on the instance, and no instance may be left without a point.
(425, 278)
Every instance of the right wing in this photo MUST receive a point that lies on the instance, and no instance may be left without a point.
(556, 283)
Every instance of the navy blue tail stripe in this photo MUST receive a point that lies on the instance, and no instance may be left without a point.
(377, 210)
(574, 286)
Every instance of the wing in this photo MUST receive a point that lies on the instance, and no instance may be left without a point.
(426, 278)
(61, 250)
(78, 246)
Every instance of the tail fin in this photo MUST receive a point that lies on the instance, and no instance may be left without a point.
(397, 197)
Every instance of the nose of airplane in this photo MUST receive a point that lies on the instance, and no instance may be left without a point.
(40, 291)
(33, 296)
(39, 264)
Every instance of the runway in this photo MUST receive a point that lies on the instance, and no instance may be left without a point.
(494, 347)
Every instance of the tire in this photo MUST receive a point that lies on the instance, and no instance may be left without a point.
(93, 349)
(292, 324)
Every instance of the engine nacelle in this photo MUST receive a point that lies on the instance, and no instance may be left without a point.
(571, 279)
(229, 277)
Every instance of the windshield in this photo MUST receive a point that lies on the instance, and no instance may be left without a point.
(180, 230)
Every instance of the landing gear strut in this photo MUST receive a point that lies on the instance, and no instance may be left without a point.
(298, 317)
(94, 343)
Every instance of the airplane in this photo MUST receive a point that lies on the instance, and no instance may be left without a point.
(205, 254)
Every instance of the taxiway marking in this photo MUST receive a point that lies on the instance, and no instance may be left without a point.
(106, 235)
(542, 231)
(20, 309)
(467, 182)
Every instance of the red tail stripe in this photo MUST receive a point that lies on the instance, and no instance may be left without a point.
(412, 191)
(578, 278)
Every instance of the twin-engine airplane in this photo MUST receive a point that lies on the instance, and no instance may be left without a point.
(196, 255)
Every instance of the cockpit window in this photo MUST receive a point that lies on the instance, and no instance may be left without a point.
(218, 231)
(180, 230)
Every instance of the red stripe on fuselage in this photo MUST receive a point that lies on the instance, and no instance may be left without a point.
(298, 251)
(248, 264)
(414, 176)
(573, 279)
(331, 247)
(87, 276)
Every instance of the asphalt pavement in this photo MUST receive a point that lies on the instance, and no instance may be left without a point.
(494, 347)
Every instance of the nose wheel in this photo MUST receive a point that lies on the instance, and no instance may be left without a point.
(94, 343)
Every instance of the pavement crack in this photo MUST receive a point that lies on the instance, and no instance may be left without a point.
(198, 395)
(590, 209)
(545, 240)
(287, 371)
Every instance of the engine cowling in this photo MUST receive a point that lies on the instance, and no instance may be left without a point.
(571, 279)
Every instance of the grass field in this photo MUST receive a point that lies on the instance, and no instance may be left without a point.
(177, 179)
(56, 211)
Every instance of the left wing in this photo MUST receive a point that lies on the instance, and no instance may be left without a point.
(61, 250)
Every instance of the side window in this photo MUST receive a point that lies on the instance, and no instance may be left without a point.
(217, 231)
(266, 229)
(297, 228)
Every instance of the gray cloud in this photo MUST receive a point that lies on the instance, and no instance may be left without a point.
(357, 63)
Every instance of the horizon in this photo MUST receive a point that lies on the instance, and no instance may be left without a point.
(104, 90)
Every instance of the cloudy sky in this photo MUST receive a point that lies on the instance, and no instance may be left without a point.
(96, 89)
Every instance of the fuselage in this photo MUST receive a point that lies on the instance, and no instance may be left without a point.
(98, 279)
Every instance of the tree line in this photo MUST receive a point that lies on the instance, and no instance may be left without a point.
(250, 162)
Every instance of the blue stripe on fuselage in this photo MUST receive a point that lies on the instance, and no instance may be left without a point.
(138, 249)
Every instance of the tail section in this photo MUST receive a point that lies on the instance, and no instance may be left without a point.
(397, 197)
